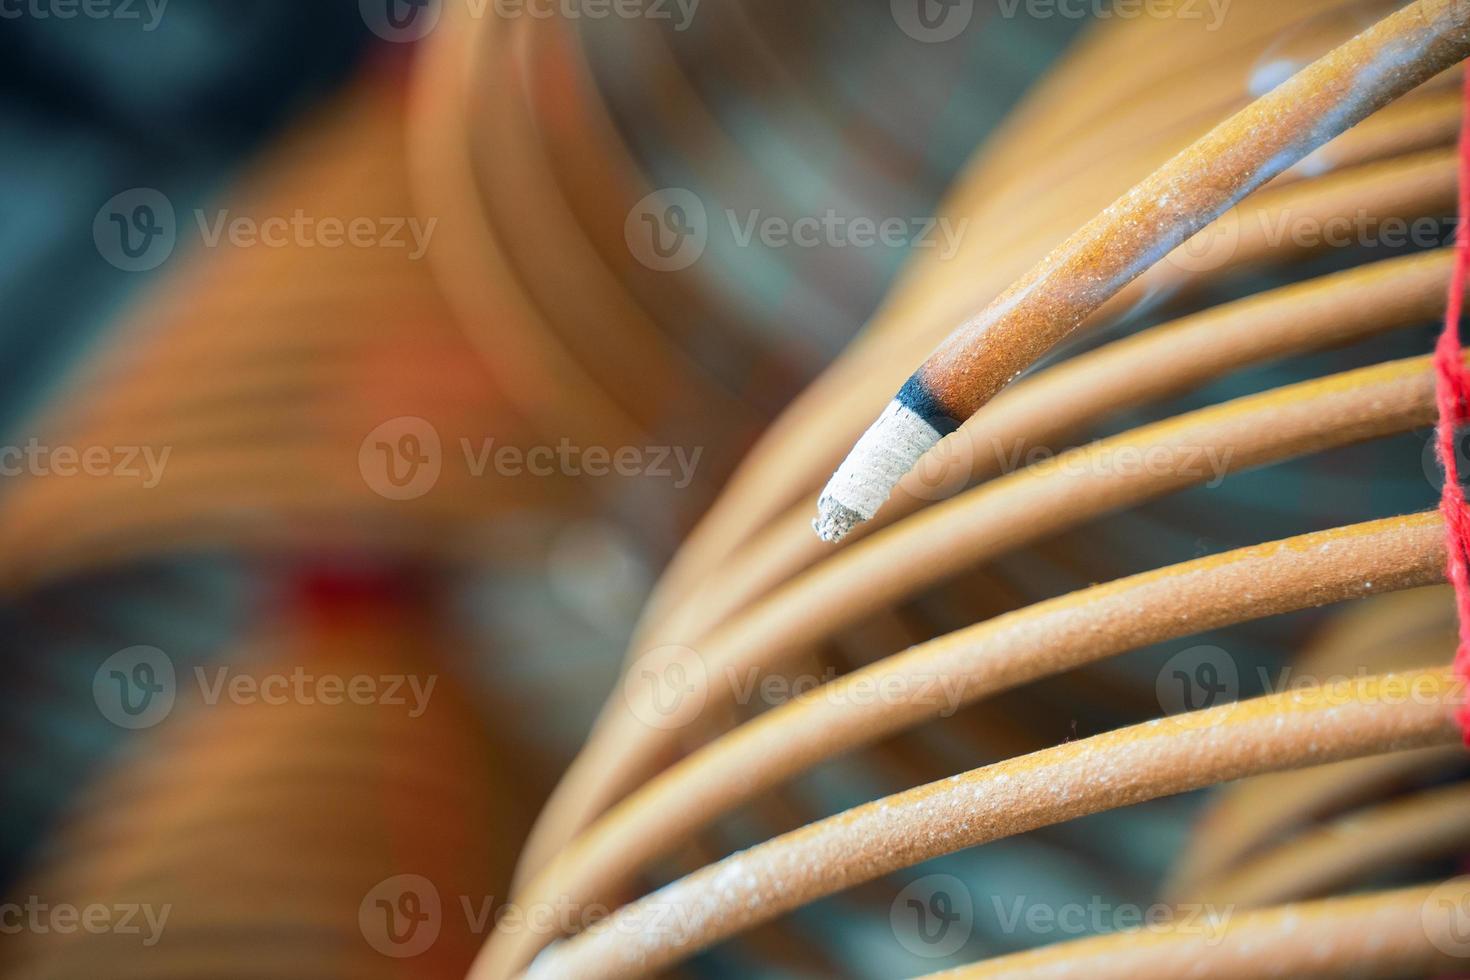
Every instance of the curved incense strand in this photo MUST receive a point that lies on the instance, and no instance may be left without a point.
(980, 524)
(1309, 726)
(1044, 639)
(1334, 309)
(1404, 832)
(1408, 932)
(1187, 193)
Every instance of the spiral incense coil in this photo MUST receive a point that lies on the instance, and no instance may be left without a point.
(751, 590)
(1227, 448)
(263, 374)
(266, 373)
(315, 849)
(1285, 731)
(989, 350)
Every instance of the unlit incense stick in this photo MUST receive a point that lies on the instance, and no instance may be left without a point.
(1194, 188)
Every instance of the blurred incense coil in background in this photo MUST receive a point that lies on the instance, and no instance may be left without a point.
(608, 213)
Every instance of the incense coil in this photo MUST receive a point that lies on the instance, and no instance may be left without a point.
(706, 602)
(216, 797)
(263, 372)
(1398, 164)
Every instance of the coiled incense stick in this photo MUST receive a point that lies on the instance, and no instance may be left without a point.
(989, 521)
(1359, 717)
(1187, 193)
(980, 661)
(1399, 933)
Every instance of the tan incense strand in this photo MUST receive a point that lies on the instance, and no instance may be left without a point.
(934, 678)
(987, 521)
(1405, 933)
(1163, 757)
(1135, 232)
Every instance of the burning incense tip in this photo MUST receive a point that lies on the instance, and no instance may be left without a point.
(834, 520)
(888, 450)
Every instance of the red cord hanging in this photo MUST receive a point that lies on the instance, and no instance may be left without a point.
(1452, 395)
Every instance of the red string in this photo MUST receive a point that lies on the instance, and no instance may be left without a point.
(1452, 396)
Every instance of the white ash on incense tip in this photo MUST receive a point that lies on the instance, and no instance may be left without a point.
(888, 450)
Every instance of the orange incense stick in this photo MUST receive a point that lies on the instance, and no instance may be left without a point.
(1194, 188)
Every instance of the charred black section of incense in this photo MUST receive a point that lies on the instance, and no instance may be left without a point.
(917, 398)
